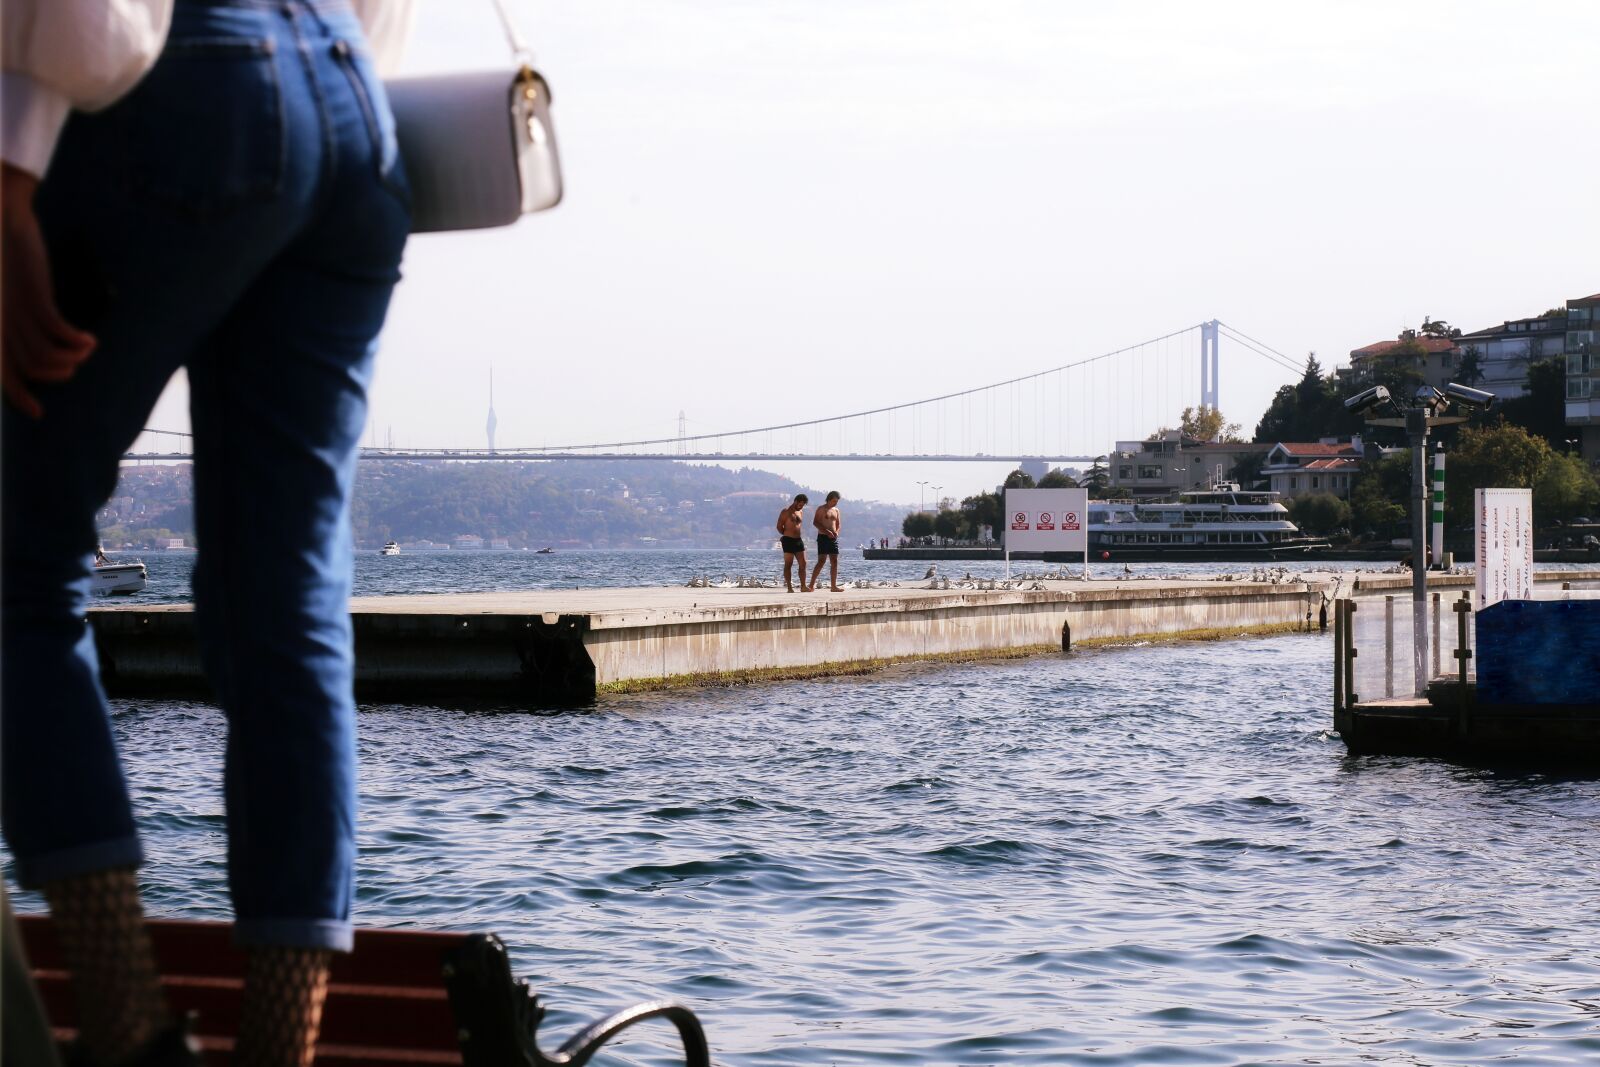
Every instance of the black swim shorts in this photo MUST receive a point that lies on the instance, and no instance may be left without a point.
(794, 544)
(827, 545)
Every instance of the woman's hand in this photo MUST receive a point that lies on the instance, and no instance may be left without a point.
(36, 343)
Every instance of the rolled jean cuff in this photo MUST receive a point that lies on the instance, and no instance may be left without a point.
(336, 935)
(119, 852)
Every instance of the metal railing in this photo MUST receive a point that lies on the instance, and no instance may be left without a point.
(1373, 651)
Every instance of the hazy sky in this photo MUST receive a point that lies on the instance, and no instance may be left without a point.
(777, 211)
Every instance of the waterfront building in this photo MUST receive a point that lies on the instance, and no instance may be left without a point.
(1436, 359)
(1295, 468)
(1583, 373)
(1504, 352)
(1169, 463)
(466, 542)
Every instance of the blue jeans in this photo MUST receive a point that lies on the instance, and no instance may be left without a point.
(240, 214)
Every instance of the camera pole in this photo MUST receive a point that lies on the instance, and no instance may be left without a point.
(1417, 431)
(1416, 415)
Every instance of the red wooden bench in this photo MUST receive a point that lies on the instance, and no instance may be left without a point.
(401, 999)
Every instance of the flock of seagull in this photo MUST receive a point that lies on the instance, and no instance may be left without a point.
(1025, 581)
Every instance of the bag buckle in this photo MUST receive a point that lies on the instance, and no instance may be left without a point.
(529, 83)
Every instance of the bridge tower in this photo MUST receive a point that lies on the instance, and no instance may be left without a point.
(1208, 364)
(489, 427)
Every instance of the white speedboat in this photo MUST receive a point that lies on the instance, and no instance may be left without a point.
(119, 579)
(390, 548)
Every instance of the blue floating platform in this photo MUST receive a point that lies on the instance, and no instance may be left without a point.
(1539, 652)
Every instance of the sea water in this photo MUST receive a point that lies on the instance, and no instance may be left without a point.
(1147, 854)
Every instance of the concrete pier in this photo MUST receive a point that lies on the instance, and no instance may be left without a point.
(552, 648)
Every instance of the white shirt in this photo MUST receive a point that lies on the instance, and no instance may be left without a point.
(86, 54)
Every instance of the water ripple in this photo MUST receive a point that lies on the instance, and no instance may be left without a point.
(1044, 861)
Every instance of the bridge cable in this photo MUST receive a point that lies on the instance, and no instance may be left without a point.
(1261, 349)
(859, 414)
(1266, 354)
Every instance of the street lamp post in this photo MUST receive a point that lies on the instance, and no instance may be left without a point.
(936, 497)
(1417, 415)
(922, 499)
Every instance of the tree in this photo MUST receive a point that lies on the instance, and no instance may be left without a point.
(1470, 370)
(948, 524)
(1208, 424)
(1098, 480)
(1320, 513)
(1308, 410)
(1019, 479)
(980, 511)
(1247, 472)
(1498, 456)
(1440, 328)
(1311, 392)
(1379, 499)
(917, 524)
(1506, 456)
(1056, 478)
(1565, 489)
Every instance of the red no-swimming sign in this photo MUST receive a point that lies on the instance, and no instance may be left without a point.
(1019, 520)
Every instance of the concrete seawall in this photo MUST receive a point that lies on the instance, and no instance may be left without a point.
(566, 647)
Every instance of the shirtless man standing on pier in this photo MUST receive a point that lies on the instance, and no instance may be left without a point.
(826, 520)
(794, 546)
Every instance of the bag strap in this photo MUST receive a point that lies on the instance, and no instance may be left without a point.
(519, 47)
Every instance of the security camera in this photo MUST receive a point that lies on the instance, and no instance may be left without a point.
(1472, 398)
(1430, 398)
(1368, 400)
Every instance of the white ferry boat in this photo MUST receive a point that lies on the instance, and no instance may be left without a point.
(1223, 522)
(389, 548)
(119, 579)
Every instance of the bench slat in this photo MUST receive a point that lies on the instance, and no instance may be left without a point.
(218, 1052)
(380, 957)
(354, 1015)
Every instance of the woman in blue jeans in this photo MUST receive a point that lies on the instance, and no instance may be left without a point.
(241, 214)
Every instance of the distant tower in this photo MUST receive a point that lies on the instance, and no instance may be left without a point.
(683, 432)
(492, 421)
(1208, 365)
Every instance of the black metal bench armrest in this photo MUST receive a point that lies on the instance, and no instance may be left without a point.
(498, 1016)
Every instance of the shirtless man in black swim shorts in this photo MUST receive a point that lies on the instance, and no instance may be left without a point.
(794, 546)
(826, 520)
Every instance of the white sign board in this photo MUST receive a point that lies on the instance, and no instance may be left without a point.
(1047, 520)
(1505, 545)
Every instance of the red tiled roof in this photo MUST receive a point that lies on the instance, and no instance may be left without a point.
(1383, 348)
(1297, 448)
(1343, 463)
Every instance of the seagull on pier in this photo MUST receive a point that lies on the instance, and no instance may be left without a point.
(933, 571)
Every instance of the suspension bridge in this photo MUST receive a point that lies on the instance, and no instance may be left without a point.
(1072, 413)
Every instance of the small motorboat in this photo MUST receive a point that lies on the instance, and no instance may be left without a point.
(118, 579)
(546, 551)
(389, 548)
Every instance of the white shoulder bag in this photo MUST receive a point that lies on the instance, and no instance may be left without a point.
(479, 148)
